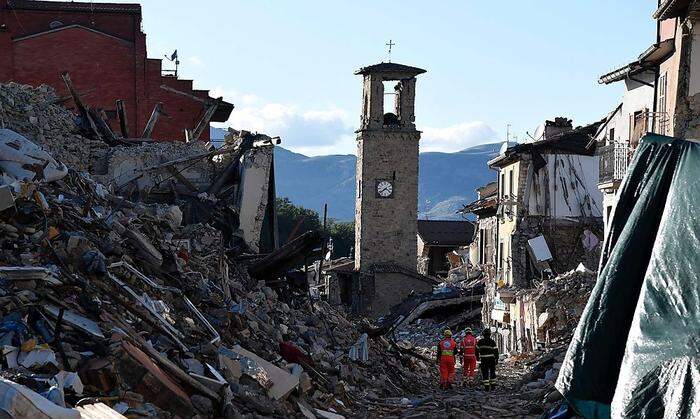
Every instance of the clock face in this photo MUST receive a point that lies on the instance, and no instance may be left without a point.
(384, 189)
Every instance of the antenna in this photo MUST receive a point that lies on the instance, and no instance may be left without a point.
(173, 58)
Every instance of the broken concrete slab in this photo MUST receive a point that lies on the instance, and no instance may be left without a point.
(282, 382)
(25, 161)
(7, 199)
(21, 402)
(76, 320)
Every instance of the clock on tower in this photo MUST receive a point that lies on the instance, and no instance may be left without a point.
(386, 207)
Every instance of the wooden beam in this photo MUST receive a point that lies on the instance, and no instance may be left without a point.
(123, 123)
(152, 120)
(80, 105)
(204, 122)
(287, 256)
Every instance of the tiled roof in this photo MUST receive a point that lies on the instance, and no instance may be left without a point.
(72, 6)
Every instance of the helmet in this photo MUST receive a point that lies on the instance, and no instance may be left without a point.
(468, 331)
(487, 332)
(448, 333)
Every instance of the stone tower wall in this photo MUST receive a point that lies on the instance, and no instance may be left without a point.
(386, 228)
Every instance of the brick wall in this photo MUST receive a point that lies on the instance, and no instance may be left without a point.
(106, 57)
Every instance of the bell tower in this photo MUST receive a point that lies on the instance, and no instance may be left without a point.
(386, 203)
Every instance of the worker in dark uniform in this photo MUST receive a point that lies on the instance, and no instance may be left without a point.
(487, 353)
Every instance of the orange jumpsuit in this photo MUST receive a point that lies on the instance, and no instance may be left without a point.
(469, 356)
(447, 349)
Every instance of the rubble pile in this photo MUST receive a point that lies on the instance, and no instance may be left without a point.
(38, 114)
(109, 303)
(560, 302)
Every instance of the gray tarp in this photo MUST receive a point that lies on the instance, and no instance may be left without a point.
(636, 350)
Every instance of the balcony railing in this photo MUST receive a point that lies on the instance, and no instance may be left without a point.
(613, 162)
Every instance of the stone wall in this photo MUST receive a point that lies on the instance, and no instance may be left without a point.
(392, 288)
(386, 228)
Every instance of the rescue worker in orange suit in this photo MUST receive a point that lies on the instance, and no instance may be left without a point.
(487, 353)
(468, 349)
(446, 358)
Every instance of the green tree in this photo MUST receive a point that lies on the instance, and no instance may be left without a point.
(343, 235)
(296, 220)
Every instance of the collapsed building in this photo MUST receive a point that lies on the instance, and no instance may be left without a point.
(438, 245)
(151, 292)
(548, 219)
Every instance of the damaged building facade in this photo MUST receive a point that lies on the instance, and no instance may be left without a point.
(438, 241)
(103, 47)
(548, 219)
(662, 93)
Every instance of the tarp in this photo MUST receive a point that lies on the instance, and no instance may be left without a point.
(636, 350)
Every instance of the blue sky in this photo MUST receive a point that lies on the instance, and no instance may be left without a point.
(288, 65)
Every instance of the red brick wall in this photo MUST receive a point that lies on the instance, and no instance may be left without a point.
(106, 63)
(100, 66)
(27, 22)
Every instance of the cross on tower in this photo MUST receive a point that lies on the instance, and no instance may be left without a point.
(390, 44)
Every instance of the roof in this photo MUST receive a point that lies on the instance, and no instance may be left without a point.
(670, 8)
(71, 6)
(392, 68)
(445, 233)
(482, 207)
(647, 60)
(487, 190)
(575, 141)
(223, 111)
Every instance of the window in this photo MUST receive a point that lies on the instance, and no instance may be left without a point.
(638, 127)
(510, 183)
(611, 136)
(482, 246)
(503, 184)
(661, 105)
(500, 255)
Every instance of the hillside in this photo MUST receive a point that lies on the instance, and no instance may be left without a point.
(446, 182)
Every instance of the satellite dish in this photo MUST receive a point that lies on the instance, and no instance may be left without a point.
(503, 149)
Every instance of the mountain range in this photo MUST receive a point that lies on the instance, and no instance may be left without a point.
(446, 181)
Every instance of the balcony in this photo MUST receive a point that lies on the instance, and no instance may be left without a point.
(613, 163)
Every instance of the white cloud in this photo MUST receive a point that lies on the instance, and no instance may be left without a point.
(456, 137)
(330, 130)
(195, 61)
